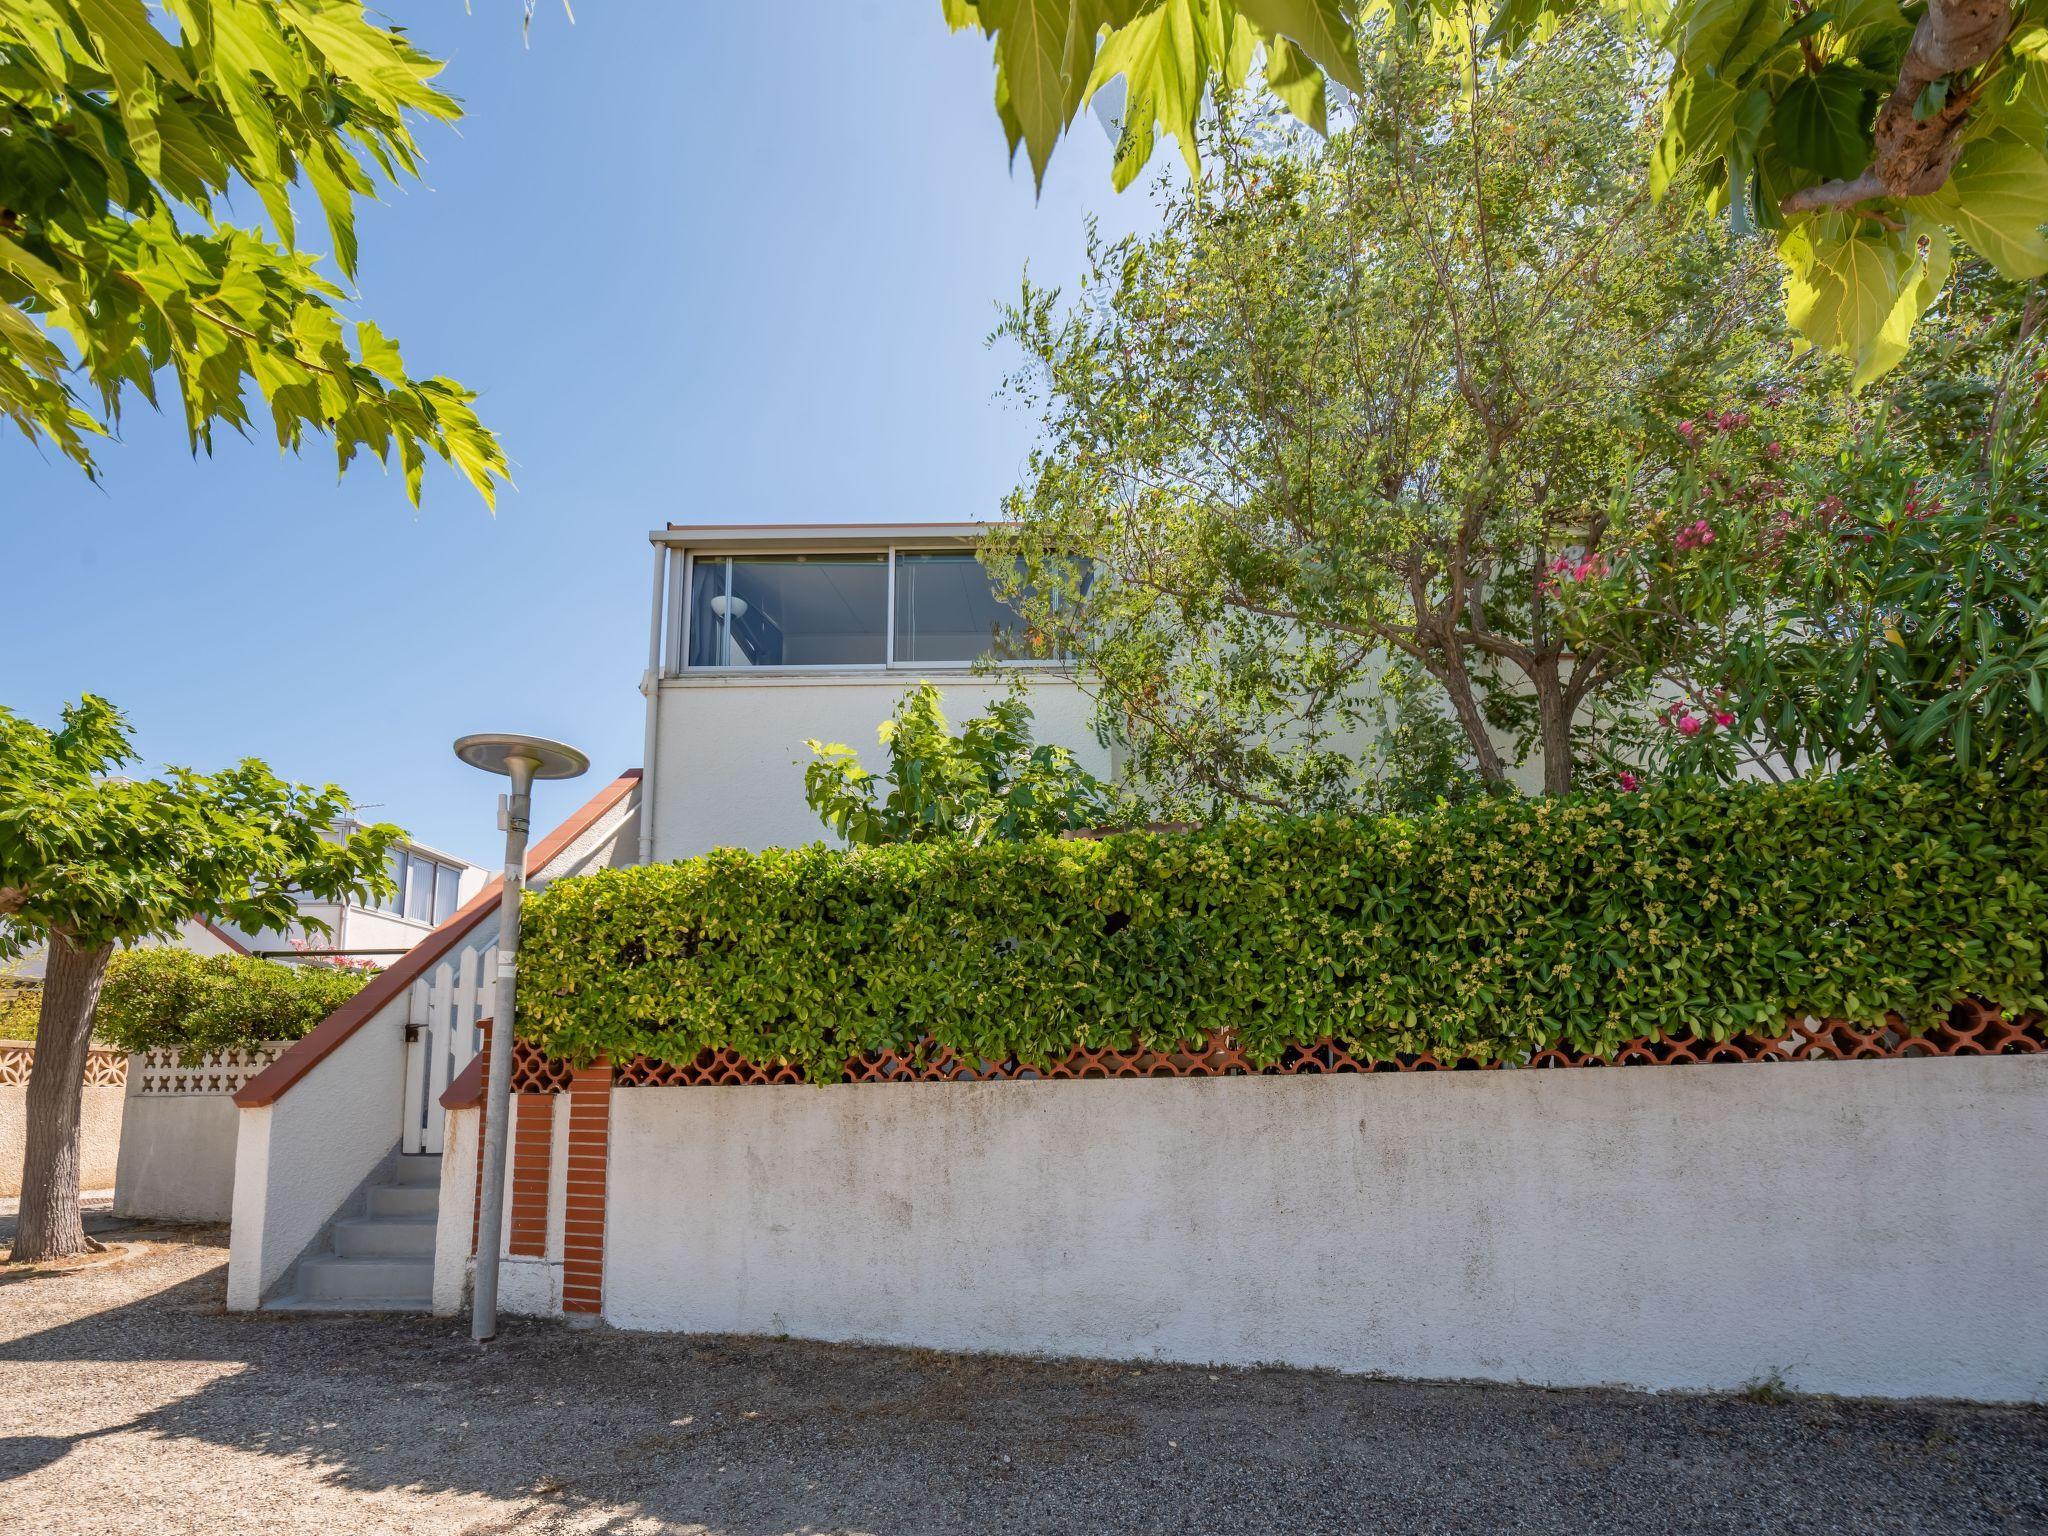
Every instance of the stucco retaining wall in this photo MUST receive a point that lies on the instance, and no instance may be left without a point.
(1862, 1227)
(178, 1133)
(99, 1137)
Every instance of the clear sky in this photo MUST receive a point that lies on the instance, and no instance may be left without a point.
(704, 262)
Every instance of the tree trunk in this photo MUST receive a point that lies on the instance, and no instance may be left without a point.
(1554, 728)
(1450, 671)
(50, 1225)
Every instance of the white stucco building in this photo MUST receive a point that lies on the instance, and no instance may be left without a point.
(764, 636)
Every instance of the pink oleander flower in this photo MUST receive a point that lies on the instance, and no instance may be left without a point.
(1689, 725)
(1724, 719)
(1629, 782)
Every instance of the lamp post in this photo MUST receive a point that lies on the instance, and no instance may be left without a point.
(521, 759)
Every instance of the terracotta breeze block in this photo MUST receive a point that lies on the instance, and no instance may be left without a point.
(583, 1215)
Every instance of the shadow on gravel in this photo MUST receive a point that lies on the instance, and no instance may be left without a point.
(754, 1437)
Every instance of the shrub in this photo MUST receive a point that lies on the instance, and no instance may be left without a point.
(21, 1006)
(988, 782)
(156, 999)
(1480, 930)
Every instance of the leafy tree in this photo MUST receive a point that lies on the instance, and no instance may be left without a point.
(120, 145)
(1359, 404)
(989, 783)
(1868, 136)
(1887, 600)
(90, 860)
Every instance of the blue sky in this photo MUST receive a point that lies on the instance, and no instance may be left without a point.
(711, 262)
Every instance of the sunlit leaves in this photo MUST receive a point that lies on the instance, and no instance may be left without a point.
(1997, 200)
(127, 129)
(1763, 100)
(1487, 930)
(1052, 55)
(104, 857)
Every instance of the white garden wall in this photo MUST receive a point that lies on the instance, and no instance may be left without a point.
(99, 1136)
(1863, 1227)
(178, 1130)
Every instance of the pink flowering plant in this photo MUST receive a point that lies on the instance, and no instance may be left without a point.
(1791, 616)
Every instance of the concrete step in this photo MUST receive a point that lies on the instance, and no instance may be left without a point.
(391, 1284)
(385, 1237)
(419, 1170)
(405, 1199)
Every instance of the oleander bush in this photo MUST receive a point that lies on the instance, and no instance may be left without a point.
(1482, 930)
(156, 999)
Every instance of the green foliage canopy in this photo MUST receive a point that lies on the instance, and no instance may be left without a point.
(120, 146)
(1869, 137)
(172, 999)
(102, 859)
(1349, 407)
(989, 782)
(1489, 929)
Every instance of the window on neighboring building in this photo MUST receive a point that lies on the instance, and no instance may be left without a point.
(427, 888)
(447, 892)
(835, 611)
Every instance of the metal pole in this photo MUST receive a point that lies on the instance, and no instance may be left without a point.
(483, 1315)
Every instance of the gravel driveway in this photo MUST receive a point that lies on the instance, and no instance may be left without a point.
(131, 1402)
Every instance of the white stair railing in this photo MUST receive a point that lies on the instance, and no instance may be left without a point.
(443, 1010)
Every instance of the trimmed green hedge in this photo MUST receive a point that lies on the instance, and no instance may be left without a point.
(21, 1009)
(156, 999)
(1481, 930)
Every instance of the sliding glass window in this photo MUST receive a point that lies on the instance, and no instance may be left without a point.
(947, 610)
(789, 611)
(902, 608)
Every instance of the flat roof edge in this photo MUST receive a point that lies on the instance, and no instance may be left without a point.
(814, 533)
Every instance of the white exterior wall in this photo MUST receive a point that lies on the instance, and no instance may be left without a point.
(1865, 1228)
(729, 766)
(298, 1160)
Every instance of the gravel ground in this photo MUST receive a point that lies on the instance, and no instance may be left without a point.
(132, 1402)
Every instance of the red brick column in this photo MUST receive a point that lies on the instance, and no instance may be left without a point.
(590, 1132)
(533, 1146)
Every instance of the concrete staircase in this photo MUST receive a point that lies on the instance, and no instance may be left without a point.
(383, 1259)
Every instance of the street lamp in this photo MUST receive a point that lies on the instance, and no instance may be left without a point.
(521, 759)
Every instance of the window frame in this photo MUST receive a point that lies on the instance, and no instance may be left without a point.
(683, 582)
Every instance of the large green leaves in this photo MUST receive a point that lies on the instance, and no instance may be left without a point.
(123, 137)
(1997, 200)
(1823, 122)
(1763, 102)
(1052, 55)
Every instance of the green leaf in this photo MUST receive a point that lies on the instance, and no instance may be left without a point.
(1997, 201)
(1296, 81)
(1321, 28)
(1823, 123)
(1844, 280)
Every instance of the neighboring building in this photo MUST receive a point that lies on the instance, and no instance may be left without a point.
(764, 636)
(431, 887)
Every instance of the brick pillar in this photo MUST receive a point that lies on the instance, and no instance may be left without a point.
(533, 1147)
(590, 1131)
